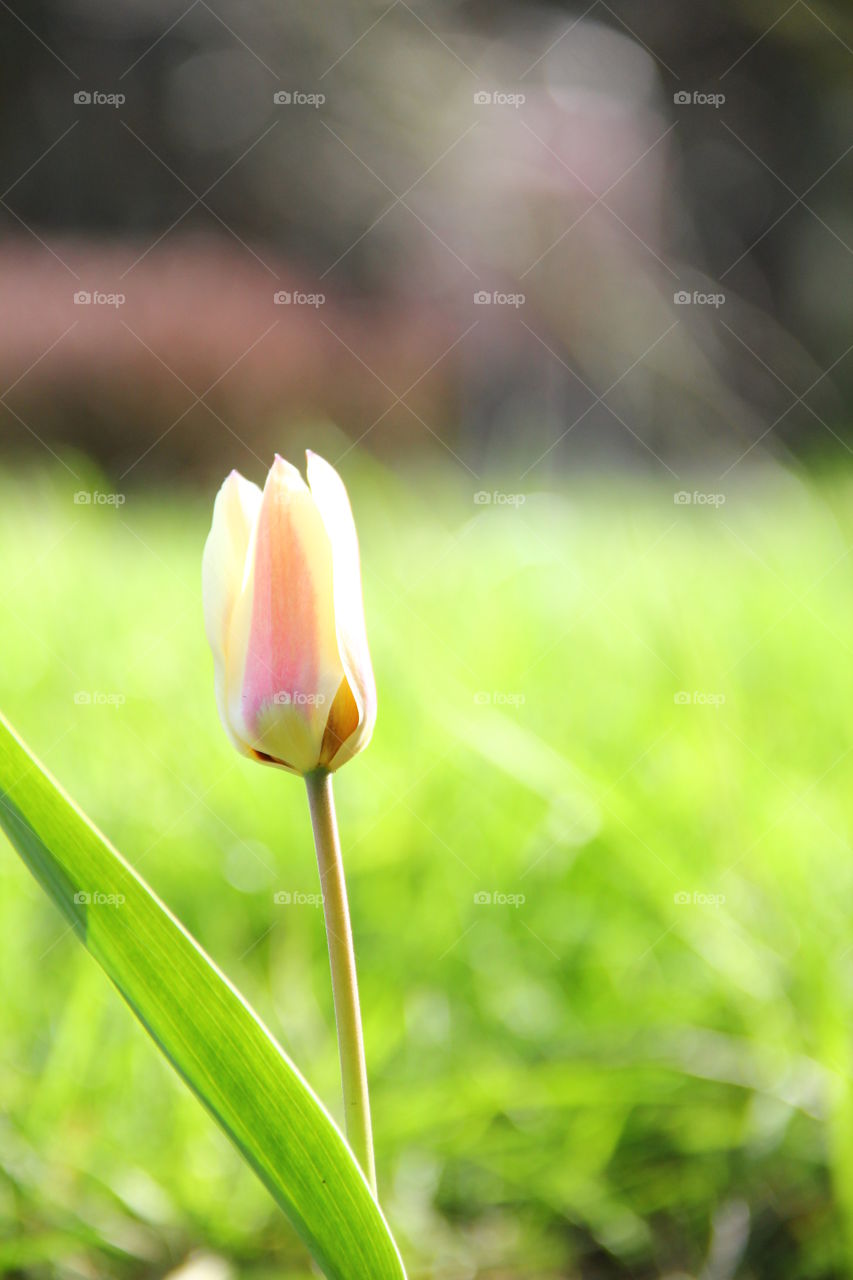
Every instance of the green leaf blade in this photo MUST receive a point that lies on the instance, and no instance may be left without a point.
(201, 1023)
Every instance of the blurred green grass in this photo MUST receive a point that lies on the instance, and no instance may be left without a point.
(603, 1080)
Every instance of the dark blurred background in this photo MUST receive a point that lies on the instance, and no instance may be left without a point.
(626, 153)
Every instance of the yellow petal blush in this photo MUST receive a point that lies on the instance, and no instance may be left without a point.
(330, 496)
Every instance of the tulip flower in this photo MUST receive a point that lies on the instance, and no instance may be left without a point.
(285, 621)
(294, 685)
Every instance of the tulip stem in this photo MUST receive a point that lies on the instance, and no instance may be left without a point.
(342, 963)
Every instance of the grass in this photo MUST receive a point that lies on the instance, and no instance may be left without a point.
(602, 1080)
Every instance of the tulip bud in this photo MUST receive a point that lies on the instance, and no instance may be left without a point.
(285, 619)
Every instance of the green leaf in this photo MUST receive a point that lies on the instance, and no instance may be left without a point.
(203, 1025)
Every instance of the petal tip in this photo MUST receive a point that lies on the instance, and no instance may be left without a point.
(319, 466)
(284, 473)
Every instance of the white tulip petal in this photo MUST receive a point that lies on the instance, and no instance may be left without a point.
(234, 514)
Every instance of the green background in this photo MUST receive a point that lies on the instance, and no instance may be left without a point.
(603, 1079)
